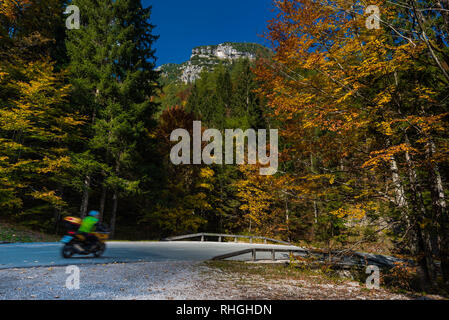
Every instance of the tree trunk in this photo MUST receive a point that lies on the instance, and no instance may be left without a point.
(57, 212)
(287, 218)
(104, 188)
(115, 201)
(423, 249)
(399, 192)
(102, 202)
(85, 199)
(315, 204)
(114, 212)
(416, 198)
(440, 209)
(420, 240)
(56, 218)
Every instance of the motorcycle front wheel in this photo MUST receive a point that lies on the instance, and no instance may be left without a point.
(68, 251)
(100, 250)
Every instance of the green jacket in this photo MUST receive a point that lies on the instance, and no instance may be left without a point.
(88, 224)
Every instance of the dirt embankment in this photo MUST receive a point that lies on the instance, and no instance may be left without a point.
(10, 233)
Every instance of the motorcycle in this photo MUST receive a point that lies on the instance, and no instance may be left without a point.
(75, 243)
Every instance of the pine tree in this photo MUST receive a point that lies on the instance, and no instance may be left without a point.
(91, 67)
(113, 61)
(223, 97)
(246, 103)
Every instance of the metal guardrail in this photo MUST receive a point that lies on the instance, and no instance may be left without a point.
(253, 252)
(354, 259)
(220, 237)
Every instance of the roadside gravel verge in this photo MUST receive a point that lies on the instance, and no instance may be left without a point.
(170, 281)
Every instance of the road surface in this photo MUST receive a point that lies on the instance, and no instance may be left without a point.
(157, 271)
(28, 255)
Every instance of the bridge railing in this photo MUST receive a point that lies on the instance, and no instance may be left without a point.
(221, 237)
(254, 251)
(354, 259)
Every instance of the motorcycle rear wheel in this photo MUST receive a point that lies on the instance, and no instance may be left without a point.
(68, 251)
(101, 249)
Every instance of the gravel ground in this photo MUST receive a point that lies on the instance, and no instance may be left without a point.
(149, 280)
(170, 281)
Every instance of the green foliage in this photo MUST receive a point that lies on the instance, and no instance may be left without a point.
(112, 64)
(225, 98)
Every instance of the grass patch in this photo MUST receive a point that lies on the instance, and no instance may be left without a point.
(18, 234)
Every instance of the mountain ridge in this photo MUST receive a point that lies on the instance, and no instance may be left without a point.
(206, 57)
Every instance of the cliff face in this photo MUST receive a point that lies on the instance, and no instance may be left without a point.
(224, 51)
(207, 57)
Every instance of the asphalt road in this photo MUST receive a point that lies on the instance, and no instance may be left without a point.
(49, 254)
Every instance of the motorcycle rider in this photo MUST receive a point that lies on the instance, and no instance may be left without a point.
(89, 225)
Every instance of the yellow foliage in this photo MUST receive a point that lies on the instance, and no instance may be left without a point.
(354, 212)
(207, 173)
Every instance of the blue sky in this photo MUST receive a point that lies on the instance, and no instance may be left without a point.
(184, 24)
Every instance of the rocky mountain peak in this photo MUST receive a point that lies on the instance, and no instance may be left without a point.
(207, 57)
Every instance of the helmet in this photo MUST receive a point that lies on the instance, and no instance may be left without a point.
(94, 213)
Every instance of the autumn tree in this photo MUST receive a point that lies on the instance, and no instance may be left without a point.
(36, 122)
(185, 200)
(361, 115)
